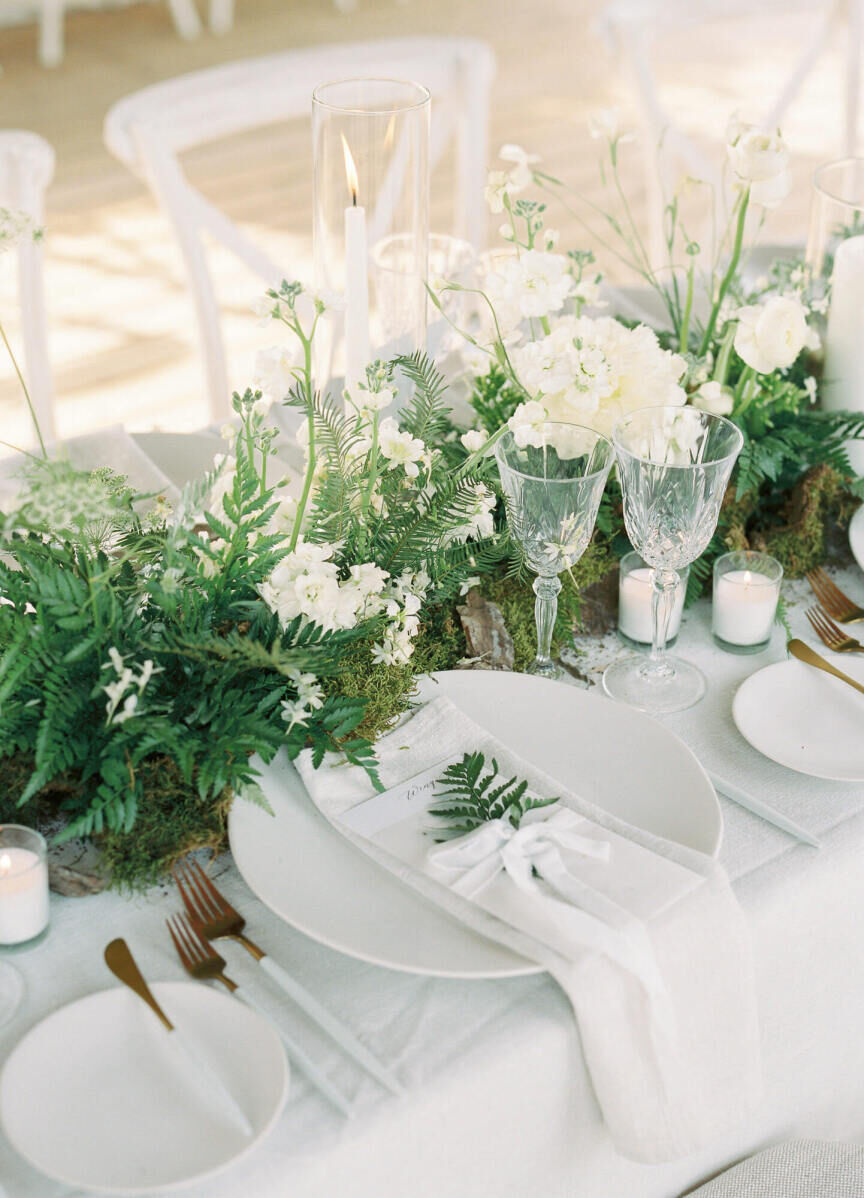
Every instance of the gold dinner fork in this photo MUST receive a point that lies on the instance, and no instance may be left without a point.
(831, 634)
(200, 959)
(832, 599)
(213, 918)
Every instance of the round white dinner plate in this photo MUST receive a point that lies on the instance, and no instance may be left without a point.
(319, 882)
(856, 536)
(803, 718)
(94, 1096)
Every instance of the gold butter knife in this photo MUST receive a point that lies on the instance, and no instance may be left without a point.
(119, 959)
(812, 658)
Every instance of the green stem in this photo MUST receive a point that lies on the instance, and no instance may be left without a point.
(470, 462)
(741, 389)
(24, 389)
(373, 478)
(310, 466)
(721, 366)
(730, 272)
(688, 304)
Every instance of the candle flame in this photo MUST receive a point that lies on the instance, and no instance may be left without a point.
(748, 578)
(5, 864)
(350, 170)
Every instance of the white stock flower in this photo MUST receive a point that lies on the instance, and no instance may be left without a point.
(262, 406)
(274, 369)
(605, 123)
(400, 448)
(283, 519)
(499, 188)
(532, 284)
(265, 309)
(588, 291)
(713, 397)
(760, 161)
(481, 521)
(474, 439)
(770, 336)
(526, 424)
(521, 175)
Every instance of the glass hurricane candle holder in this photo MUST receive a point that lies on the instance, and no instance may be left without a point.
(836, 211)
(746, 593)
(371, 220)
(635, 597)
(552, 490)
(23, 904)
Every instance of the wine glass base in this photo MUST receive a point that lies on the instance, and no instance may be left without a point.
(11, 991)
(629, 682)
(547, 668)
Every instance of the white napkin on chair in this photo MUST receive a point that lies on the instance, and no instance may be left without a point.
(650, 947)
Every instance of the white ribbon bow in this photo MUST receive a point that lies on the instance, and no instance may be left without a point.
(479, 856)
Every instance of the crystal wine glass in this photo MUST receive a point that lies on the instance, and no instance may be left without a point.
(674, 465)
(552, 489)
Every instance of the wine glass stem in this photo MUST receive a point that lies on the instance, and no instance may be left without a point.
(662, 599)
(545, 613)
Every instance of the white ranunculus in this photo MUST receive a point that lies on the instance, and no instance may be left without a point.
(760, 161)
(770, 336)
(474, 439)
(713, 397)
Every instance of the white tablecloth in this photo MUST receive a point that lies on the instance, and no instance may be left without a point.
(499, 1104)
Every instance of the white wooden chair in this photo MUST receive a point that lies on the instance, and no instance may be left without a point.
(148, 130)
(629, 27)
(26, 169)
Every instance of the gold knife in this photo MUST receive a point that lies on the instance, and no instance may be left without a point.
(812, 658)
(119, 959)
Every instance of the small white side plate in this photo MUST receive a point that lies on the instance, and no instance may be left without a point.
(856, 536)
(317, 881)
(803, 718)
(93, 1095)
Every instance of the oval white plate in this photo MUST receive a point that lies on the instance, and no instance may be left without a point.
(94, 1097)
(318, 882)
(856, 536)
(803, 718)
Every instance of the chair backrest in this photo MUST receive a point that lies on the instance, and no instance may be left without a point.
(26, 169)
(148, 130)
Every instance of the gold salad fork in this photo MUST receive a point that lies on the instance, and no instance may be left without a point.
(832, 599)
(213, 918)
(200, 959)
(831, 634)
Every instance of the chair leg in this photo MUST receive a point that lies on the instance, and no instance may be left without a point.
(51, 33)
(221, 16)
(186, 19)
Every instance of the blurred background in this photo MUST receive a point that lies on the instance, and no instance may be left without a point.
(122, 340)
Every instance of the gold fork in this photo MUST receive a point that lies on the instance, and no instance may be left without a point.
(832, 599)
(831, 634)
(200, 959)
(213, 918)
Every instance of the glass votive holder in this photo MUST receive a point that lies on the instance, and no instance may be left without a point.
(23, 886)
(746, 593)
(635, 590)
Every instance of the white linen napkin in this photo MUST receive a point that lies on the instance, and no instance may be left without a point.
(656, 959)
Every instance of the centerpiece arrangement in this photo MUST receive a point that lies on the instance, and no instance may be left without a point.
(147, 653)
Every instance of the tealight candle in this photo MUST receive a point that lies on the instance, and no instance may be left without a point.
(746, 592)
(635, 591)
(23, 885)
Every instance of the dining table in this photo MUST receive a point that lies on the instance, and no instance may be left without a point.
(497, 1098)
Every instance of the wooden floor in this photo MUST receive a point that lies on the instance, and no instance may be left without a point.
(122, 336)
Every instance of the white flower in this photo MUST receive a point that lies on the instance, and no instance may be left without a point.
(770, 336)
(550, 238)
(760, 161)
(810, 388)
(499, 190)
(588, 291)
(605, 123)
(400, 448)
(713, 397)
(532, 284)
(521, 175)
(310, 697)
(526, 424)
(14, 226)
(227, 432)
(480, 519)
(262, 406)
(474, 439)
(274, 370)
(283, 519)
(265, 309)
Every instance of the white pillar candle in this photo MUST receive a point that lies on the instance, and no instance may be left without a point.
(635, 589)
(23, 894)
(745, 604)
(843, 379)
(356, 283)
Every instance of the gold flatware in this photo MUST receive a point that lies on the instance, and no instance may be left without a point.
(213, 917)
(812, 658)
(119, 959)
(836, 604)
(832, 634)
(201, 961)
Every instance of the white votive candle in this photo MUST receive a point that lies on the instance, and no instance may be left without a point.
(635, 591)
(745, 603)
(23, 885)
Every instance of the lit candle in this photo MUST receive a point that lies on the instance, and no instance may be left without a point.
(23, 886)
(635, 591)
(356, 283)
(843, 379)
(745, 603)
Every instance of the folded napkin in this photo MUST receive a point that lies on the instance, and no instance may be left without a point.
(644, 936)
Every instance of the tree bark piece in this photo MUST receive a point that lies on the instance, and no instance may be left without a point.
(598, 612)
(489, 642)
